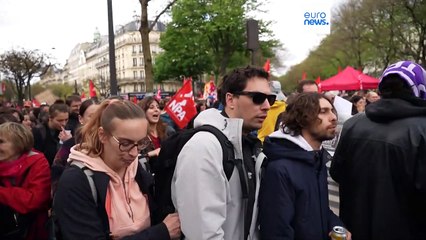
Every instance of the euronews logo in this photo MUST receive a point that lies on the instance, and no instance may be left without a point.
(315, 18)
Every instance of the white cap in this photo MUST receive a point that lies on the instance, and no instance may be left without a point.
(276, 89)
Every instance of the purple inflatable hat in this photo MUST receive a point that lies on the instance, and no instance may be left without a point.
(412, 73)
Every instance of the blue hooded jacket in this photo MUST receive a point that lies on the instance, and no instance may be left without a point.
(293, 198)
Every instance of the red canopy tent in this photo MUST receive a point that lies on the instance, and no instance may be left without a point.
(349, 79)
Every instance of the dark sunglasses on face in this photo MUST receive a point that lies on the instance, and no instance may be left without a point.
(258, 98)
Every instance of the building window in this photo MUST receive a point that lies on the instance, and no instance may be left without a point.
(135, 74)
(142, 74)
(135, 62)
(140, 61)
(134, 49)
(140, 48)
(124, 74)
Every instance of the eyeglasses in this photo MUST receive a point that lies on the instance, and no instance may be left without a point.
(258, 98)
(127, 146)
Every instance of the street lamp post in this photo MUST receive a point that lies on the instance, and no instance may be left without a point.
(112, 71)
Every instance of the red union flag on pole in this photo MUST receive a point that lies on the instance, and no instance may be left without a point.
(181, 107)
(158, 96)
(267, 65)
(92, 91)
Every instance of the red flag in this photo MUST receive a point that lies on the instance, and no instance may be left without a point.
(35, 103)
(135, 100)
(158, 96)
(318, 82)
(303, 75)
(181, 107)
(92, 91)
(3, 87)
(267, 66)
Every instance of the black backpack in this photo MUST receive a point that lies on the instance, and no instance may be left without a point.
(164, 167)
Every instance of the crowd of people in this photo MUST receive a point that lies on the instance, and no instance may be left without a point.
(86, 170)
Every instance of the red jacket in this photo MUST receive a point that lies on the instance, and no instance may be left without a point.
(33, 194)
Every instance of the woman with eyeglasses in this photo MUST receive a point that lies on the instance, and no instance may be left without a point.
(109, 146)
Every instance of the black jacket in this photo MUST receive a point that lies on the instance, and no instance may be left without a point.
(78, 215)
(46, 141)
(73, 123)
(293, 198)
(380, 165)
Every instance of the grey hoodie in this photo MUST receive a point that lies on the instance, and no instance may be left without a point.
(210, 206)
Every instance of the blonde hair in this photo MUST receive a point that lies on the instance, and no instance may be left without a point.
(107, 111)
(19, 135)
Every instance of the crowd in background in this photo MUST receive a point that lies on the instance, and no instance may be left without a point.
(76, 160)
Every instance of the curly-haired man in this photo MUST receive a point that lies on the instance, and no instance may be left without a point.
(294, 194)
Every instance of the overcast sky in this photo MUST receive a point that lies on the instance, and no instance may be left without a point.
(56, 26)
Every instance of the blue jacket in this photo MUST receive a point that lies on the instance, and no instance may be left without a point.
(293, 197)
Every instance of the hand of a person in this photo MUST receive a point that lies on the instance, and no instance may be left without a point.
(348, 235)
(64, 135)
(154, 153)
(173, 225)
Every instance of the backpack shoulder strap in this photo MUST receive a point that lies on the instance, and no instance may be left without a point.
(227, 148)
(229, 161)
(89, 175)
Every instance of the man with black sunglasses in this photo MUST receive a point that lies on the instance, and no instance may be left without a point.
(210, 206)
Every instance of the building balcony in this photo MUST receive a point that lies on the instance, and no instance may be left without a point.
(102, 64)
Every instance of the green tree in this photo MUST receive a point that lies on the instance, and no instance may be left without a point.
(144, 30)
(61, 90)
(21, 66)
(369, 34)
(37, 88)
(209, 37)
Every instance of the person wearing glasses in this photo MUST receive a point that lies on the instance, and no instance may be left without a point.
(210, 206)
(109, 147)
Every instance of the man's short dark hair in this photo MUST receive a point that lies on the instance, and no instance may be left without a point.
(72, 98)
(302, 112)
(236, 81)
(7, 117)
(58, 108)
(393, 86)
(303, 83)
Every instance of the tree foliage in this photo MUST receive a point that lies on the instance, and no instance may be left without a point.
(62, 91)
(208, 37)
(144, 30)
(368, 35)
(21, 66)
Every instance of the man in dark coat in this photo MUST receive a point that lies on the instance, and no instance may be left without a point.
(293, 198)
(47, 136)
(380, 161)
(73, 102)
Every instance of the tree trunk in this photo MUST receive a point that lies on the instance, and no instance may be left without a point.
(144, 31)
(29, 90)
(20, 91)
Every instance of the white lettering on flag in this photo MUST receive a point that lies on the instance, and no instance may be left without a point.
(177, 108)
